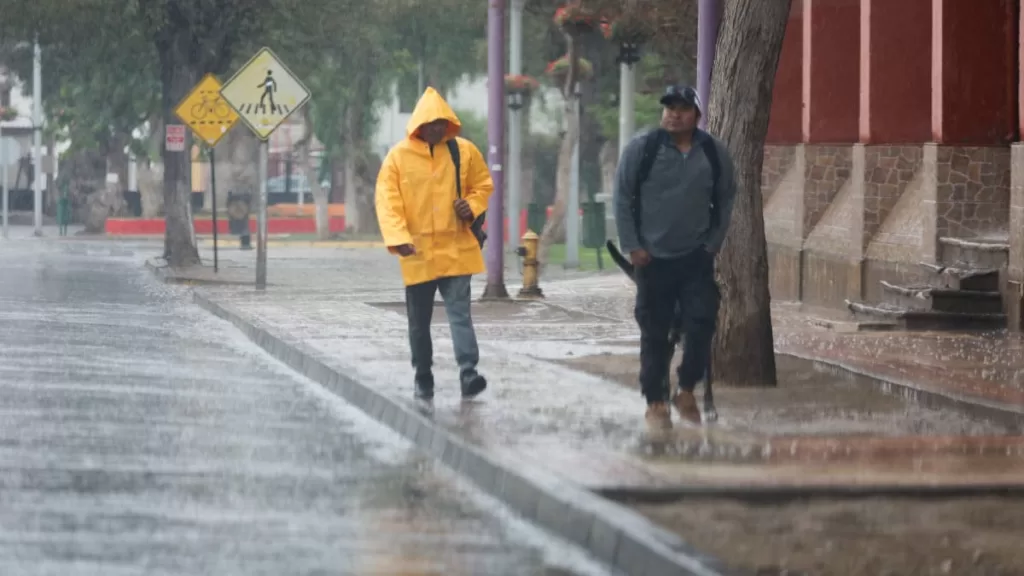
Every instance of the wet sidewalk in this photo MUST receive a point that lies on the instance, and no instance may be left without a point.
(546, 407)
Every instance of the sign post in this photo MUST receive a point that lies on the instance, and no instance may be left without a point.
(210, 118)
(265, 93)
(3, 179)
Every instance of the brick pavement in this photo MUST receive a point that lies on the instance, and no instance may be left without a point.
(345, 306)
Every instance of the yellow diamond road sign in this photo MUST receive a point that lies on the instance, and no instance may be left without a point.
(264, 93)
(205, 112)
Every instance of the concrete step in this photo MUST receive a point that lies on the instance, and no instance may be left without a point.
(943, 299)
(982, 253)
(958, 278)
(928, 319)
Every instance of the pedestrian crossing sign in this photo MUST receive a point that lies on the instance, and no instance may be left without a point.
(264, 92)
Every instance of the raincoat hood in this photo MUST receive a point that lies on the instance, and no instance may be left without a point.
(431, 107)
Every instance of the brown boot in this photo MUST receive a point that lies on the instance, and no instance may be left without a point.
(659, 417)
(686, 405)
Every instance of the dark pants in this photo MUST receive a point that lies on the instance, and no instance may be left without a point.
(668, 292)
(419, 305)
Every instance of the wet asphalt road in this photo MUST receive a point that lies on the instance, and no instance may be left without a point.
(139, 435)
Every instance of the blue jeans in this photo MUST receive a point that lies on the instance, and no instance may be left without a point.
(419, 305)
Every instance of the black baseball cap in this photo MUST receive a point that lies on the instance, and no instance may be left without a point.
(681, 95)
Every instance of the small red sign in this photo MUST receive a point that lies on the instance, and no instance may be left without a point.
(175, 141)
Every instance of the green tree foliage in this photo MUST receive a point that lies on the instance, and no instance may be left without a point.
(443, 35)
(474, 128)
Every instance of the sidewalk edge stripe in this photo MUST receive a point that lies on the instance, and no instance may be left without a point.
(613, 533)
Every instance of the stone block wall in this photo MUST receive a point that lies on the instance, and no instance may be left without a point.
(826, 169)
(778, 161)
(972, 191)
(1014, 293)
(782, 186)
(888, 171)
(861, 214)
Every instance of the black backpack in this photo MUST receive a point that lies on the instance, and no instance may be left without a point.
(653, 141)
(478, 224)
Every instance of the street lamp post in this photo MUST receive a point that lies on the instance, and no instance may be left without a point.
(515, 128)
(709, 16)
(629, 55)
(37, 136)
(3, 179)
(495, 244)
(572, 213)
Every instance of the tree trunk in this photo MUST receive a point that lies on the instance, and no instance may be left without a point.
(609, 159)
(177, 78)
(151, 174)
(367, 168)
(749, 44)
(529, 161)
(352, 213)
(359, 181)
(151, 189)
(320, 200)
(237, 165)
(108, 200)
(117, 163)
(323, 231)
(554, 229)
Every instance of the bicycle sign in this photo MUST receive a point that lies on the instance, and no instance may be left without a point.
(205, 112)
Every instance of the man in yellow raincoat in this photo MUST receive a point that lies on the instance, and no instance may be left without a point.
(427, 224)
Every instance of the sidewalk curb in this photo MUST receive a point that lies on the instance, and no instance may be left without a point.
(613, 533)
(171, 276)
(976, 407)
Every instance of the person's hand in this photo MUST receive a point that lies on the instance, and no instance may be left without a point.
(639, 258)
(462, 210)
(405, 250)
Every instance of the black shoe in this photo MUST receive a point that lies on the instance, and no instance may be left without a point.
(425, 387)
(473, 386)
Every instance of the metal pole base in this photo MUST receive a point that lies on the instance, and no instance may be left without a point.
(495, 292)
(531, 292)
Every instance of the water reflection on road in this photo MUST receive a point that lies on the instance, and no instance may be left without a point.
(140, 436)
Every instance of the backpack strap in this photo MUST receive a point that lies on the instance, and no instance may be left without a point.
(477, 226)
(653, 141)
(453, 150)
(711, 153)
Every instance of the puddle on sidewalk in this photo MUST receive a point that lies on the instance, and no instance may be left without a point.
(860, 537)
(809, 402)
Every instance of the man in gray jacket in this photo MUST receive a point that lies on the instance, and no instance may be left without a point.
(674, 193)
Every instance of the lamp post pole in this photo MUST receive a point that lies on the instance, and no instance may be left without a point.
(495, 245)
(709, 16)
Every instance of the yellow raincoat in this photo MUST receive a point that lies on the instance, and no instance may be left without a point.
(416, 195)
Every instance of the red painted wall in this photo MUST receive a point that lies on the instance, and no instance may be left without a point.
(157, 226)
(834, 105)
(785, 125)
(900, 71)
(1020, 73)
(979, 70)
